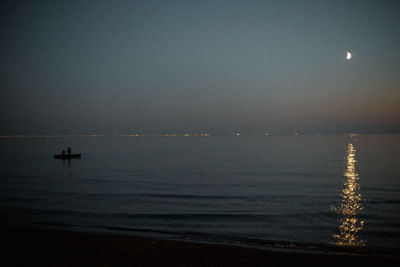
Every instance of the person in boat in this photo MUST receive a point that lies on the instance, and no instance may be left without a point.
(69, 151)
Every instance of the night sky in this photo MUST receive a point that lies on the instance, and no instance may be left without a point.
(199, 66)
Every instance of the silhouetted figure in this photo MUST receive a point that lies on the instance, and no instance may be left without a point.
(69, 151)
(63, 152)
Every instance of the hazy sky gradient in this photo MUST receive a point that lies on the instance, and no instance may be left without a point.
(202, 66)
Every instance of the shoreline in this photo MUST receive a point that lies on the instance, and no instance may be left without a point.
(56, 247)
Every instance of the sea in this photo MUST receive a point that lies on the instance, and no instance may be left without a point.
(336, 193)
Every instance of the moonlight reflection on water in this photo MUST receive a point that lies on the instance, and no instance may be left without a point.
(350, 206)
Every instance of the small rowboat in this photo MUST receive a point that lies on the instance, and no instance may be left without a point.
(68, 156)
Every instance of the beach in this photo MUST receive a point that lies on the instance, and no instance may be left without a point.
(58, 247)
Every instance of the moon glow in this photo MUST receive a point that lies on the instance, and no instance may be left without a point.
(348, 56)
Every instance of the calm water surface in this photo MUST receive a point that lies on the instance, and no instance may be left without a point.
(311, 192)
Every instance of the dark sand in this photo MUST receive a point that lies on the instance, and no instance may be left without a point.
(43, 247)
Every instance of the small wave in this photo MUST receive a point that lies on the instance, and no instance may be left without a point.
(232, 217)
(282, 174)
(230, 197)
(193, 196)
(392, 188)
(383, 201)
(194, 216)
(186, 217)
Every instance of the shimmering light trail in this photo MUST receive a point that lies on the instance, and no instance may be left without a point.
(350, 206)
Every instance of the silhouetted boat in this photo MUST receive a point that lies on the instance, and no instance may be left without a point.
(68, 156)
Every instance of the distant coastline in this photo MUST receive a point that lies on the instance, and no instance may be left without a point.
(352, 135)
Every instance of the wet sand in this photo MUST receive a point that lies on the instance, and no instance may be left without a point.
(47, 247)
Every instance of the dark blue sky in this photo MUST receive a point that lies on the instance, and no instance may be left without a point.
(201, 66)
